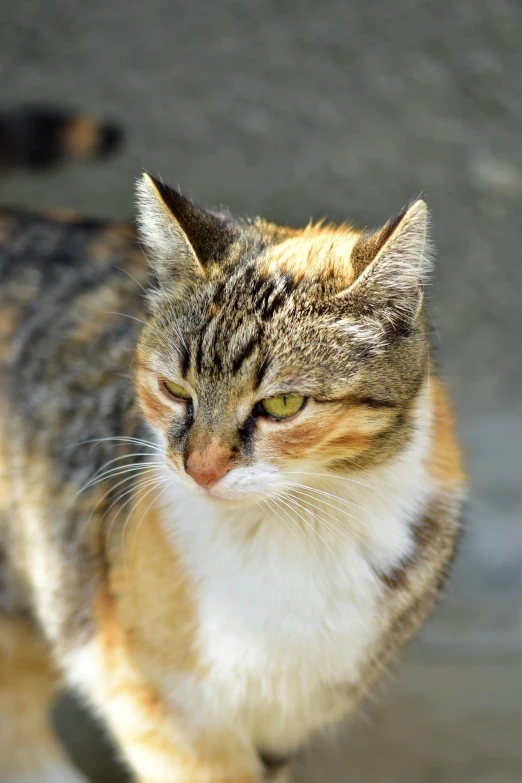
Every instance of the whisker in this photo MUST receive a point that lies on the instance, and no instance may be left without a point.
(312, 528)
(329, 526)
(125, 315)
(154, 500)
(141, 321)
(108, 492)
(132, 492)
(118, 471)
(114, 471)
(123, 456)
(338, 499)
(125, 272)
(266, 501)
(350, 529)
(284, 511)
(293, 502)
(142, 466)
(339, 478)
(175, 326)
(121, 438)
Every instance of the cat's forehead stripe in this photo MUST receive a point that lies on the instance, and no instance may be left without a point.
(226, 349)
(235, 317)
(244, 353)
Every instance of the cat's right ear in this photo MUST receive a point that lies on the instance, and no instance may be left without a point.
(170, 251)
(181, 238)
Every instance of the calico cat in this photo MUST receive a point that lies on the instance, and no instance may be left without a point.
(230, 489)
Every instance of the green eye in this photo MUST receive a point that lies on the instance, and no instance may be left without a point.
(176, 391)
(283, 406)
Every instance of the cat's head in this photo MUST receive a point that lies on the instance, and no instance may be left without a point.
(271, 352)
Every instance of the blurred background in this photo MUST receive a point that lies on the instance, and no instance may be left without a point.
(345, 109)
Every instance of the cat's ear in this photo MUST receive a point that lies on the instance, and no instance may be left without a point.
(390, 266)
(181, 237)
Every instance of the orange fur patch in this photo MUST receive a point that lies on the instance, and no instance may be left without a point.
(152, 593)
(81, 137)
(157, 412)
(351, 440)
(337, 430)
(445, 461)
(296, 441)
(147, 624)
(316, 252)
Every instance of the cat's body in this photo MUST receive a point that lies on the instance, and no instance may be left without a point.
(220, 614)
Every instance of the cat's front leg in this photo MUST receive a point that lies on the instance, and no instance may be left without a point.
(29, 751)
(159, 743)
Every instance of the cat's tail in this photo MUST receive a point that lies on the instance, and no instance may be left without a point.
(35, 136)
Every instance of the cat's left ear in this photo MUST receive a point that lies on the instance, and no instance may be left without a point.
(182, 239)
(389, 267)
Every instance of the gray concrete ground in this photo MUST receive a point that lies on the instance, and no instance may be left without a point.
(346, 109)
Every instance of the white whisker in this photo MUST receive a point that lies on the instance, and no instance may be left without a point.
(309, 524)
(266, 501)
(283, 509)
(120, 438)
(154, 500)
(118, 471)
(345, 525)
(293, 502)
(338, 499)
(108, 492)
(123, 456)
(125, 272)
(339, 478)
(132, 492)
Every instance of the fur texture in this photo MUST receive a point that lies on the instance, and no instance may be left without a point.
(216, 618)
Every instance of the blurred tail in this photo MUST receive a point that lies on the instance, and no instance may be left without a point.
(39, 136)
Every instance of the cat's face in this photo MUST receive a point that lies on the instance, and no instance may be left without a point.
(272, 353)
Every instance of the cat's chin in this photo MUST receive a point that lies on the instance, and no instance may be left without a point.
(219, 495)
(223, 497)
(223, 500)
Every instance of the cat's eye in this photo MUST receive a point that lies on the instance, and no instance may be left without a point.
(283, 406)
(177, 391)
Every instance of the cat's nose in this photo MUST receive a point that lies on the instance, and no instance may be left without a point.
(206, 476)
(208, 464)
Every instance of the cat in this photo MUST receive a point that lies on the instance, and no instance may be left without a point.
(35, 136)
(230, 485)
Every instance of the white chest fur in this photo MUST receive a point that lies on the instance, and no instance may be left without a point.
(285, 613)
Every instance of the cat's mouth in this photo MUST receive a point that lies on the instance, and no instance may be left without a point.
(238, 487)
(222, 495)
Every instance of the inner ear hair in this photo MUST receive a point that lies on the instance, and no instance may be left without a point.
(170, 251)
(209, 234)
(390, 267)
(181, 238)
(371, 242)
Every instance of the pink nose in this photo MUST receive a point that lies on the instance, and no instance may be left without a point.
(208, 465)
(205, 477)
